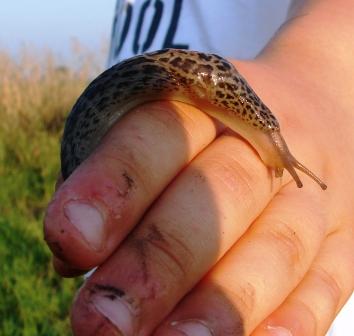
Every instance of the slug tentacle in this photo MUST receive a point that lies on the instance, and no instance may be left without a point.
(206, 81)
(290, 163)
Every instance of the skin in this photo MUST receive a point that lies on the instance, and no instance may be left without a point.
(225, 247)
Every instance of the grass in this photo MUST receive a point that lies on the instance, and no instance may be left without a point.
(36, 93)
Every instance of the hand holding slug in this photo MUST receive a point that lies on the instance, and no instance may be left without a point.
(188, 228)
(203, 80)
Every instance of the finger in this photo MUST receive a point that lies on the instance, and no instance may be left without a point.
(61, 267)
(185, 232)
(258, 273)
(313, 305)
(99, 204)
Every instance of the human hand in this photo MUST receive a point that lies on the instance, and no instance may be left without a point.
(224, 245)
(268, 246)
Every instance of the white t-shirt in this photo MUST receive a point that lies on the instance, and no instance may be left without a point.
(230, 28)
(236, 29)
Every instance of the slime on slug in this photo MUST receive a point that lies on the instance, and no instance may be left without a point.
(206, 81)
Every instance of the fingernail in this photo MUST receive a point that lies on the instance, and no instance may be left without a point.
(278, 331)
(88, 221)
(192, 328)
(118, 311)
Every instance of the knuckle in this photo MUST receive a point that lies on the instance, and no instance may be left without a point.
(290, 244)
(164, 253)
(163, 115)
(329, 283)
(244, 297)
(232, 177)
(154, 122)
(306, 313)
(132, 172)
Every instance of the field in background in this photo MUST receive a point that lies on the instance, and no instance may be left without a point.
(36, 93)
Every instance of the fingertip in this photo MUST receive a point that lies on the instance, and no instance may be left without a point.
(288, 320)
(75, 226)
(89, 317)
(85, 320)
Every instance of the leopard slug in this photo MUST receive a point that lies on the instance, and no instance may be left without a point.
(206, 81)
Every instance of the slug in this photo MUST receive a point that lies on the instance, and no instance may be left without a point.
(206, 81)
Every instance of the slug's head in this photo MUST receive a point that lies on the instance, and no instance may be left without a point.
(288, 161)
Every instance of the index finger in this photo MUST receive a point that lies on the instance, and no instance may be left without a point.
(97, 206)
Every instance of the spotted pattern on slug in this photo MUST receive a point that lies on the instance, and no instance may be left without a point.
(219, 81)
(154, 76)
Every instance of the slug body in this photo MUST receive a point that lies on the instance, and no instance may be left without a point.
(206, 81)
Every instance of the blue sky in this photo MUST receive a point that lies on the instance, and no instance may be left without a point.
(44, 23)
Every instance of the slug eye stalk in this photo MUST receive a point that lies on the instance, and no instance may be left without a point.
(290, 163)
